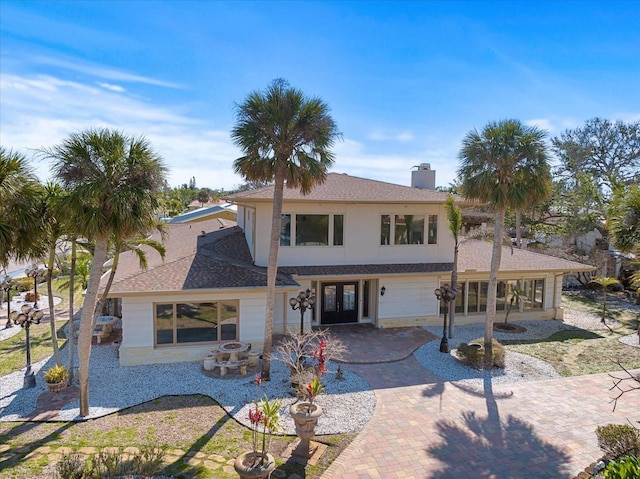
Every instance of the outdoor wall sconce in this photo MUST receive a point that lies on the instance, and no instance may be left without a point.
(382, 291)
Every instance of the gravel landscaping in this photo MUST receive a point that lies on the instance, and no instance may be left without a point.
(348, 404)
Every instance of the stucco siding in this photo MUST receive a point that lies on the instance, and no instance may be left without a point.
(361, 236)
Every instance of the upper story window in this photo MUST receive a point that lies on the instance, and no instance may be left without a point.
(432, 232)
(407, 229)
(285, 230)
(312, 230)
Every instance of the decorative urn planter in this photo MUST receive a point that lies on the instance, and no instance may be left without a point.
(57, 387)
(56, 378)
(246, 467)
(305, 416)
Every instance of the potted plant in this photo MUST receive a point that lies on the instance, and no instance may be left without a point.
(56, 378)
(264, 417)
(305, 415)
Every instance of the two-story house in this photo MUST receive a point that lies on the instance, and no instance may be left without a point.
(369, 251)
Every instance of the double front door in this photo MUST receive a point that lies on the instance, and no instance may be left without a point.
(339, 303)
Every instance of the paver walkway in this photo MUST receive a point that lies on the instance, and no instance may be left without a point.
(424, 427)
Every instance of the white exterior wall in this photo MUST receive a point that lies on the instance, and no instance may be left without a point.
(138, 334)
(408, 301)
(361, 236)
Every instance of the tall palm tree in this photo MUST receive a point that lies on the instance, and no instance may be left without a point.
(53, 228)
(454, 223)
(284, 137)
(505, 165)
(114, 184)
(20, 222)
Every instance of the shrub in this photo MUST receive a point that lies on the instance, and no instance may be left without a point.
(617, 440)
(56, 374)
(627, 467)
(30, 297)
(472, 353)
(147, 463)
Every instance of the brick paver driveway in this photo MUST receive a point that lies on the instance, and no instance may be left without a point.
(424, 427)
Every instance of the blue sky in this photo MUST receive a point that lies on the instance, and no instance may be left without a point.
(405, 80)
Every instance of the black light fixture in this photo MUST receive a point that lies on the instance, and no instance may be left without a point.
(37, 274)
(303, 301)
(25, 319)
(447, 294)
(7, 286)
(382, 291)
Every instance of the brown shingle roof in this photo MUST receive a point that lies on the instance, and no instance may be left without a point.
(340, 187)
(476, 255)
(367, 269)
(217, 259)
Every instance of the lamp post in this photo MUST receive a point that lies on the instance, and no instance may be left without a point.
(35, 273)
(25, 319)
(446, 293)
(7, 286)
(303, 301)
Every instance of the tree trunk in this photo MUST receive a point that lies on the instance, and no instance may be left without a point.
(52, 312)
(519, 242)
(492, 292)
(103, 298)
(70, 326)
(86, 322)
(454, 285)
(272, 270)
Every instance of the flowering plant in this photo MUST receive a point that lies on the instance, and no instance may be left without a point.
(264, 416)
(314, 388)
(320, 356)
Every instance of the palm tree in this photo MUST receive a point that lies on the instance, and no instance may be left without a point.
(135, 245)
(506, 166)
(114, 184)
(19, 219)
(604, 282)
(284, 137)
(454, 223)
(53, 227)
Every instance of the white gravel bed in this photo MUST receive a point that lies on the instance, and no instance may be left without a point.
(518, 367)
(348, 404)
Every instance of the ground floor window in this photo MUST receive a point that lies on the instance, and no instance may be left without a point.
(183, 323)
(527, 294)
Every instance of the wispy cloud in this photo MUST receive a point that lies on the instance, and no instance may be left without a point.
(379, 135)
(101, 71)
(109, 86)
(41, 111)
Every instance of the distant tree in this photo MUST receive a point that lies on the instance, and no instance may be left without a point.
(506, 166)
(114, 184)
(625, 218)
(608, 151)
(604, 282)
(284, 137)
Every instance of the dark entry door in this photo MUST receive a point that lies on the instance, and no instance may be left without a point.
(339, 303)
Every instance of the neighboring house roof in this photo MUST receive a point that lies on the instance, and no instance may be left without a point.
(194, 260)
(340, 187)
(475, 255)
(202, 213)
